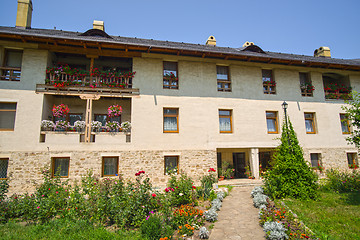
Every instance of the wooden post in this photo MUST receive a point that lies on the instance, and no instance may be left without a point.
(92, 58)
(88, 114)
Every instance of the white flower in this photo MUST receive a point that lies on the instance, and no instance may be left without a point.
(180, 194)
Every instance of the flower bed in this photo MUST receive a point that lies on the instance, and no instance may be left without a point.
(112, 201)
(278, 222)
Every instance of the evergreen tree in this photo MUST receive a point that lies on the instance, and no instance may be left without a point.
(290, 176)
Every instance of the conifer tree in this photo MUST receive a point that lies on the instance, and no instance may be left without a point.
(290, 175)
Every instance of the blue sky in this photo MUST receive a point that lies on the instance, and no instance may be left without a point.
(285, 26)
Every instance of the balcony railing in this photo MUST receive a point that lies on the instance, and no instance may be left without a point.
(83, 82)
(10, 74)
(63, 80)
(337, 94)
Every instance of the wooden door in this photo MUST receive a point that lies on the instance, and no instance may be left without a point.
(239, 164)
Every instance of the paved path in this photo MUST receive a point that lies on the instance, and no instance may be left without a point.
(238, 219)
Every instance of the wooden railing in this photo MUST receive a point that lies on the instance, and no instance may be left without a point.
(10, 74)
(337, 94)
(63, 80)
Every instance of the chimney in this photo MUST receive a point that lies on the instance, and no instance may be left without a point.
(246, 44)
(211, 41)
(322, 52)
(98, 25)
(24, 13)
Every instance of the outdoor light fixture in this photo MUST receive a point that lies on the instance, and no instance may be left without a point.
(284, 106)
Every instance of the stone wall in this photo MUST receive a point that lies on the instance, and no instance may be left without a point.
(331, 158)
(25, 168)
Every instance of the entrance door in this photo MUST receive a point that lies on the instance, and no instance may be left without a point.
(239, 164)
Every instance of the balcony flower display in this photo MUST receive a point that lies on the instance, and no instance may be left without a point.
(96, 126)
(64, 76)
(170, 76)
(79, 125)
(47, 125)
(61, 125)
(270, 83)
(112, 126)
(337, 91)
(114, 111)
(125, 126)
(307, 87)
(61, 110)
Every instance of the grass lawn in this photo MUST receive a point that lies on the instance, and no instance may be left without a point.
(333, 216)
(61, 229)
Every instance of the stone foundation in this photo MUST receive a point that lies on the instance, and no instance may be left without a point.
(331, 158)
(25, 167)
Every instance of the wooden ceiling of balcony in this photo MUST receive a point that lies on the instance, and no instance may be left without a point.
(127, 50)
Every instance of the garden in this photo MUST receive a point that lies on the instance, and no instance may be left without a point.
(111, 208)
(295, 204)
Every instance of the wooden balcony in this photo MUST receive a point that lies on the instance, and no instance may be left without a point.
(66, 84)
(10, 74)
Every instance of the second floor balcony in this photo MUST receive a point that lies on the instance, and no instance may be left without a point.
(73, 81)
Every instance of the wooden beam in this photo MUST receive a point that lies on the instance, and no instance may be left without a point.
(226, 57)
(88, 51)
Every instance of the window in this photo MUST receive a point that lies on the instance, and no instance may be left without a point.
(7, 116)
(171, 120)
(170, 75)
(225, 121)
(171, 164)
(272, 122)
(103, 118)
(11, 69)
(306, 85)
(60, 167)
(73, 117)
(345, 125)
(352, 159)
(310, 122)
(110, 166)
(223, 80)
(315, 159)
(4, 162)
(269, 84)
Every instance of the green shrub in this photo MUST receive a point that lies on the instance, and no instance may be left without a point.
(183, 190)
(4, 188)
(291, 176)
(207, 182)
(342, 181)
(152, 228)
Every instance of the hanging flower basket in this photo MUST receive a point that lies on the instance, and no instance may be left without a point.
(114, 111)
(61, 110)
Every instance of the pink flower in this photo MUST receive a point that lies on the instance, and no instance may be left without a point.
(38, 207)
(166, 190)
(42, 195)
(94, 183)
(154, 195)
(57, 192)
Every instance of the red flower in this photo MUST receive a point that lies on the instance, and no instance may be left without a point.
(193, 187)
(154, 195)
(211, 170)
